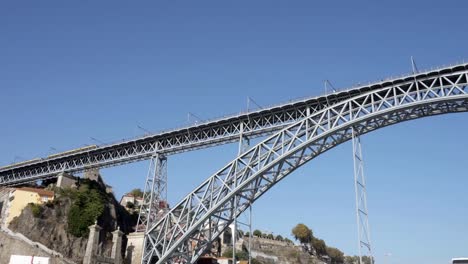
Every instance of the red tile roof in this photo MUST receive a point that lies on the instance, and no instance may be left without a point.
(41, 192)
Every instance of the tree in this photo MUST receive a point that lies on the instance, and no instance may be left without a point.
(287, 240)
(87, 205)
(337, 257)
(367, 260)
(36, 209)
(240, 255)
(350, 260)
(355, 260)
(138, 193)
(130, 205)
(302, 233)
(319, 246)
(257, 233)
(270, 236)
(247, 234)
(279, 238)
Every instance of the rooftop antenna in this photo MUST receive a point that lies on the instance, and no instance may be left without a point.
(413, 65)
(250, 100)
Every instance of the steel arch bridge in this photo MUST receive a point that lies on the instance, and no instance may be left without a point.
(189, 228)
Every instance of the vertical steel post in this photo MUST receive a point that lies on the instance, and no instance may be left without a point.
(154, 196)
(250, 234)
(362, 216)
(154, 193)
(244, 144)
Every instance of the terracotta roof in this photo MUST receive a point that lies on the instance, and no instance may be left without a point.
(41, 192)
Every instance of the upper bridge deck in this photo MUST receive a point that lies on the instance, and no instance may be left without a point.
(204, 134)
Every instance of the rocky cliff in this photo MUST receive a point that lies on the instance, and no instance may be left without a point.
(49, 225)
(11, 245)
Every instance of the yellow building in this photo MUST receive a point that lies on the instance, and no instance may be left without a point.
(21, 197)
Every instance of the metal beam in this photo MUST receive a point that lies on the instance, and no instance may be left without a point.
(224, 130)
(154, 194)
(362, 213)
(190, 227)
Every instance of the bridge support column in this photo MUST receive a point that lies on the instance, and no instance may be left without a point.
(244, 144)
(93, 243)
(155, 193)
(362, 216)
(154, 197)
(116, 253)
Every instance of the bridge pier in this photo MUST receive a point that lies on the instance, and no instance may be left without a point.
(362, 215)
(154, 197)
(155, 193)
(244, 144)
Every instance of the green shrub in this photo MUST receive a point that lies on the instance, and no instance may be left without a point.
(130, 205)
(36, 210)
(240, 255)
(257, 233)
(49, 204)
(87, 206)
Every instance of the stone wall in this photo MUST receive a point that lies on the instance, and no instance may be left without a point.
(271, 251)
(4, 205)
(134, 248)
(10, 245)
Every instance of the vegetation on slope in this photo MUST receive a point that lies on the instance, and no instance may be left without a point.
(88, 202)
(242, 255)
(305, 236)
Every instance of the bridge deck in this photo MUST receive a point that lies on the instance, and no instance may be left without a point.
(206, 134)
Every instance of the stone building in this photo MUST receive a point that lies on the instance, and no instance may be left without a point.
(131, 202)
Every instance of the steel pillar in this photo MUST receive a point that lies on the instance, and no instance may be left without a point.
(362, 216)
(244, 144)
(155, 193)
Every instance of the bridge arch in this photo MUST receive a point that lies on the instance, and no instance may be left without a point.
(187, 230)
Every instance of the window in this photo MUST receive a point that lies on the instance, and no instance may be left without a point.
(44, 198)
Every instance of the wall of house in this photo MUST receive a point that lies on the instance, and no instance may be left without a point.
(20, 200)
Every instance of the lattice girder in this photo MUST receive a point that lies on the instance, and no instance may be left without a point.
(224, 130)
(188, 230)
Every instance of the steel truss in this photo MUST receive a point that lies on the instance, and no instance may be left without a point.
(362, 213)
(189, 229)
(244, 144)
(221, 131)
(155, 193)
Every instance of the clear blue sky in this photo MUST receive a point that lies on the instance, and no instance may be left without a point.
(72, 70)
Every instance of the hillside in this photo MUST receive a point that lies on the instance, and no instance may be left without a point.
(62, 225)
(269, 251)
